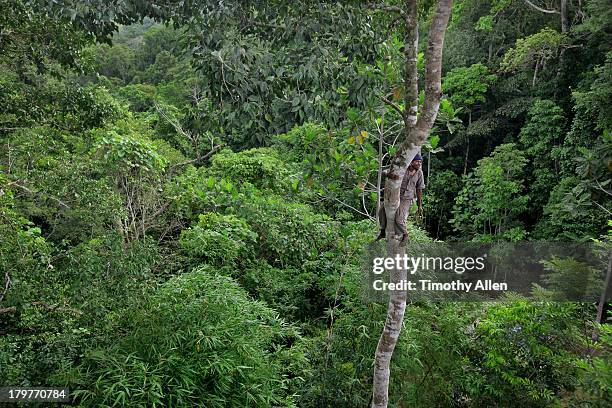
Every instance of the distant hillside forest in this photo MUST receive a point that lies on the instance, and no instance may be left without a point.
(187, 189)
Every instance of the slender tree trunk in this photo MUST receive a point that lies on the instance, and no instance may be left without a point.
(416, 132)
(380, 163)
(605, 291)
(467, 148)
(564, 29)
(465, 160)
(428, 167)
(563, 12)
(467, 152)
(391, 331)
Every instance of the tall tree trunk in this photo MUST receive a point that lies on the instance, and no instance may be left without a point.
(605, 292)
(381, 141)
(467, 148)
(428, 167)
(465, 160)
(563, 13)
(416, 132)
(564, 30)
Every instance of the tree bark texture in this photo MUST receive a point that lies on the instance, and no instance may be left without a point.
(415, 134)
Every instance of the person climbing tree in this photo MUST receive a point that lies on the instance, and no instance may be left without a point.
(412, 187)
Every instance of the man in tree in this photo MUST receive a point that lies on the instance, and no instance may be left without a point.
(412, 187)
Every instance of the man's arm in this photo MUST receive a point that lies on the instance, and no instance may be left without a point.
(419, 194)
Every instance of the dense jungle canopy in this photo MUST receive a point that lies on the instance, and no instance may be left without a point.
(187, 189)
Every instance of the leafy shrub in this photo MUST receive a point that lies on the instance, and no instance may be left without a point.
(492, 197)
(438, 207)
(124, 151)
(571, 279)
(338, 168)
(67, 302)
(524, 353)
(595, 374)
(140, 97)
(561, 221)
(301, 141)
(290, 234)
(85, 108)
(60, 105)
(284, 290)
(260, 167)
(201, 340)
(218, 239)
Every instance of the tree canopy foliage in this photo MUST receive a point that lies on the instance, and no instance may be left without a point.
(187, 189)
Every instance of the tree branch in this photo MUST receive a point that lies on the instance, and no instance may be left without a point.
(206, 156)
(8, 309)
(602, 207)
(177, 126)
(600, 187)
(365, 208)
(394, 106)
(7, 285)
(351, 207)
(27, 190)
(541, 9)
(411, 57)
